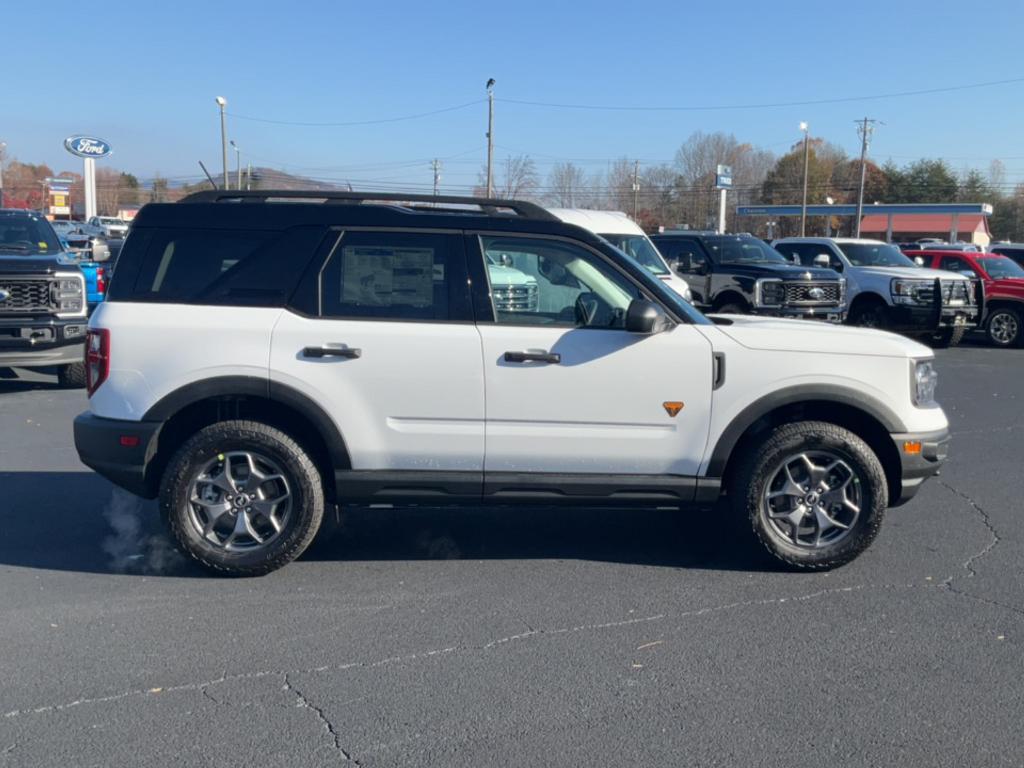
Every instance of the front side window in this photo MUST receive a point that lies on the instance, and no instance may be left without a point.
(390, 276)
(536, 281)
(875, 255)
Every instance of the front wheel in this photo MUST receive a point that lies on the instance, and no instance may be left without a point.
(732, 309)
(869, 314)
(242, 498)
(71, 376)
(813, 492)
(1004, 327)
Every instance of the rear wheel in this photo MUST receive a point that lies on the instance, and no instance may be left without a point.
(243, 498)
(813, 493)
(1004, 327)
(869, 314)
(71, 376)
(948, 337)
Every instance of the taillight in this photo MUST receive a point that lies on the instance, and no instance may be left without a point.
(101, 280)
(97, 358)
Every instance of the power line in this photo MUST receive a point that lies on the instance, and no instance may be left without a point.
(378, 121)
(767, 105)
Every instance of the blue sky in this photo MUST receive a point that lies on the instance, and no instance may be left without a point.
(143, 76)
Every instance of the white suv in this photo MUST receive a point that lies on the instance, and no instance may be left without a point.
(257, 364)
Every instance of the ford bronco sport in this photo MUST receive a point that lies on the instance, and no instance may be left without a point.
(319, 349)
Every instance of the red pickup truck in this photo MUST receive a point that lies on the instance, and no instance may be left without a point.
(1003, 281)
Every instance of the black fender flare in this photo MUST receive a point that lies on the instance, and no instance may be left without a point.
(254, 386)
(801, 393)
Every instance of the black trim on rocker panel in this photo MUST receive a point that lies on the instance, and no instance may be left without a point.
(788, 396)
(520, 487)
(407, 486)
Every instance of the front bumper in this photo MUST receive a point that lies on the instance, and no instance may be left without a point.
(918, 464)
(120, 451)
(827, 314)
(34, 342)
(926, 318)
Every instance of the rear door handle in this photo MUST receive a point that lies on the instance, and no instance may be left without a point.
(348, 352)
(533, 357)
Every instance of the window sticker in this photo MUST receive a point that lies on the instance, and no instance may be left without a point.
(382, 276)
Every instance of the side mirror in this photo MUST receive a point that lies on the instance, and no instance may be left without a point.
(646, 317)
(919, 261)
(699, 268)
(968, 273)
(822, 260)
(100, 250)
(795, 259)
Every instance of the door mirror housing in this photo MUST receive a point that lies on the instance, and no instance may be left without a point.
(822, 260)
(919, 261)
(698, 267)
(646, 317)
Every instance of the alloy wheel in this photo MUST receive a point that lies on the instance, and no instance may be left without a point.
(239, 501)
(813, 499)
(1003, 327)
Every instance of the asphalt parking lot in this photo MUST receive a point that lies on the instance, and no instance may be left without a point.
(515, 636)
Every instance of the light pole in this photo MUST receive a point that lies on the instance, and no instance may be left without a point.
(238, 164)
(222, 102)
(803, 206)
(490, 137)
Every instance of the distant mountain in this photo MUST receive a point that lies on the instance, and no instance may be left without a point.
(270, 178)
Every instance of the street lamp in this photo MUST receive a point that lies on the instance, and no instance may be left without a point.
(222, 102)
(828, 219)
(238, 163)
(803, 206)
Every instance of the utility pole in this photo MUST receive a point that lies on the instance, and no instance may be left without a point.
(248, 177)
(238, 164)
(436, 166)
(222, 102)
(490, 137)
(807, 155)
(3, 146)
(636, 187)
(864, 127)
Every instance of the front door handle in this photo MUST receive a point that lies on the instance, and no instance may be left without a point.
(533, 357)
(347, 352)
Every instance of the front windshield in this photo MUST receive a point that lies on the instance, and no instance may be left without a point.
(1000, 267)
(874, 255)
(28, 235)
(641, 249)
(742, 249)
(106, 220)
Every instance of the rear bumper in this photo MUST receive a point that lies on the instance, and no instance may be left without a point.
(916, 466)
(119, 450)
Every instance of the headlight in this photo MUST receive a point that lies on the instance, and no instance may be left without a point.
(68, 294)
(688, 294)
(912, 291)
(924, 379)
(769, 293)
(842, 291)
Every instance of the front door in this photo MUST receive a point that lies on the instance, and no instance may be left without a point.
(568, 389)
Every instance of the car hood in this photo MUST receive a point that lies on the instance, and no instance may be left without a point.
(12, 264)
(921, 273)
(782, 335)
(780, 270)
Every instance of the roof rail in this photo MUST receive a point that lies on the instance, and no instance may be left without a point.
(424, 203)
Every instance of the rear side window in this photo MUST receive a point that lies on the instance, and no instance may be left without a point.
(219, 267)
(396, 276)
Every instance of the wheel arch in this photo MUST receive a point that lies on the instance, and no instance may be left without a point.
(190, 408)
(730, 296)
(865, 416)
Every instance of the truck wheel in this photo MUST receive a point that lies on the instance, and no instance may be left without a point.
(948, 337)
(731, 309)
(1004, 327)
(869, 314)
(71, 376)
(813, 492)
(242, 498)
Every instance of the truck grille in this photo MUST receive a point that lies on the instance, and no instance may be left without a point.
(515, 298)
(26, 296)
(955, 293)
(800, 294)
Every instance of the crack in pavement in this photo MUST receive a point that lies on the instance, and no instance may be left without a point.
(202, 687)
(321, 715)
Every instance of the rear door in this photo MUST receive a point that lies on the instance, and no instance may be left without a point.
(568, 389)
(388, 348)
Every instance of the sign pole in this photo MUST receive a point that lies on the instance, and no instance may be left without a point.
(721, 212)
(723, 181)
(89, 179)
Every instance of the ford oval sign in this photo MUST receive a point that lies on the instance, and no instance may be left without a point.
(87, 146)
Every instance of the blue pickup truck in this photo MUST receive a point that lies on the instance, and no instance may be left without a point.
(47, 292)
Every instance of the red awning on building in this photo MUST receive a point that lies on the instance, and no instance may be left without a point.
(937, 223)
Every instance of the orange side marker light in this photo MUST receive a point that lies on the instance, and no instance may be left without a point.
(912, 446)
(672, 407)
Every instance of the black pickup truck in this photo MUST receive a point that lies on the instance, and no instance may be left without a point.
(739, 274)
(43, 307)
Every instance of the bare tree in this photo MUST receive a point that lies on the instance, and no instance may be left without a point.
(516, 178)
(567, 186)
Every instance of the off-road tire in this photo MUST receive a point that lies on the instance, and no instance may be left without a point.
(758, 464)
(71, 376)
(948, 337)
(870, 314)
(732, 308)
(304, 479)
